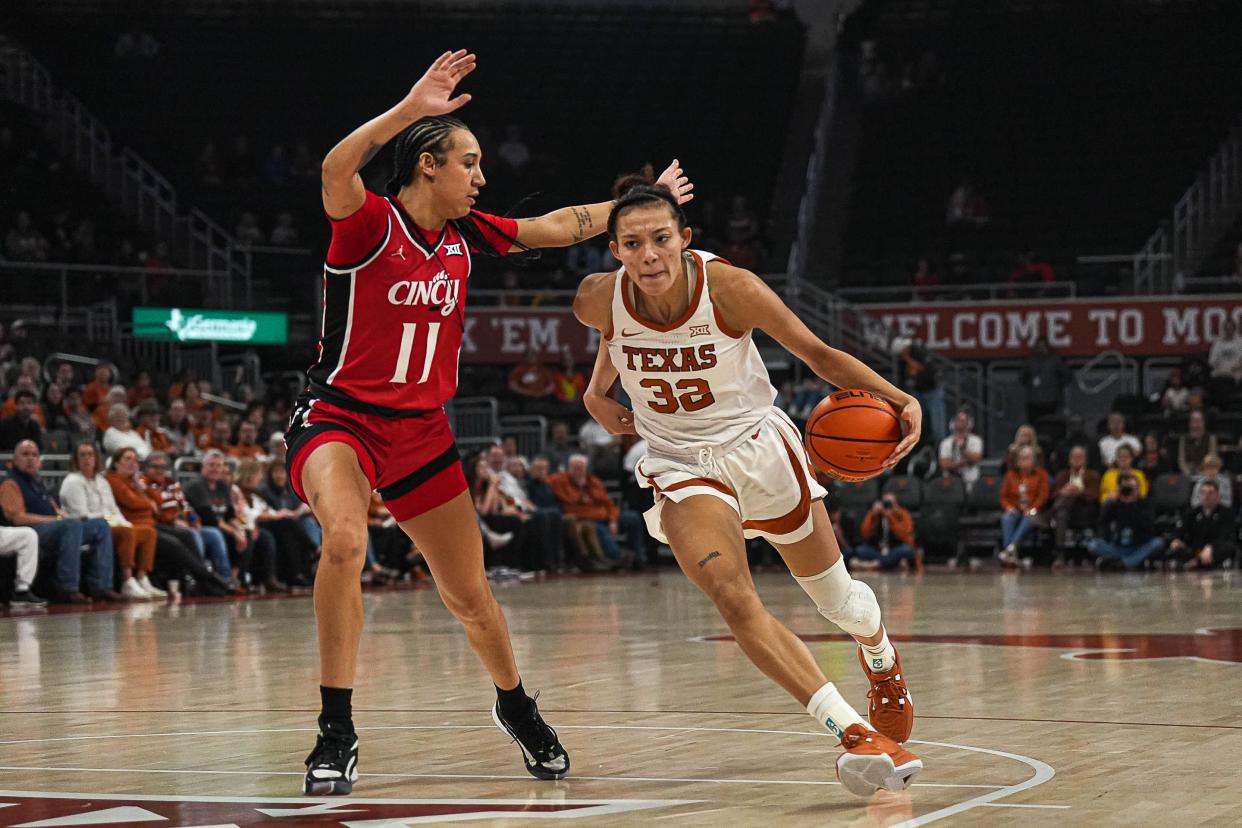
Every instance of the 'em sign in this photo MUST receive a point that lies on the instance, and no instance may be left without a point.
(1083, 327)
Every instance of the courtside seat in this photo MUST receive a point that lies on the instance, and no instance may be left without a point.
(944, 499)
(980, 525)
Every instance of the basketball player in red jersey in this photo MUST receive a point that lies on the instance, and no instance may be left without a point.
(726, 464)
(372, 417)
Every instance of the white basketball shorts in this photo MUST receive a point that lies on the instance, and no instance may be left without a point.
(766, 477)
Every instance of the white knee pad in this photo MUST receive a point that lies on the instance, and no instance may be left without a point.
(848, 603)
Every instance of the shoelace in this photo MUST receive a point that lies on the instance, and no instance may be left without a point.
(887, 689)
(532, 725)
(331, 750)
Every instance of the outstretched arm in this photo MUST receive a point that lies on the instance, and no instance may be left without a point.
(343, 193)
(570, 225)
(746, 302)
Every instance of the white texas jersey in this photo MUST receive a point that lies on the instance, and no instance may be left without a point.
(693, 383)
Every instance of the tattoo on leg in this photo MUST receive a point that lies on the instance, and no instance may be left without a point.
(708, 559)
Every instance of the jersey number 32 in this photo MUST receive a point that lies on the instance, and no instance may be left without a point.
(691, 395)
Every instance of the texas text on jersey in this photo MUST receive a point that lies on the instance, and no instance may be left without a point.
(393, 310)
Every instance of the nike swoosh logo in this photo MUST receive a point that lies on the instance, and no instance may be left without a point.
(628, 333)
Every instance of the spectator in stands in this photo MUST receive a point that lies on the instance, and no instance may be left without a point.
(246, 447)
(603, 450)
(23, 382)
(1126, 531)
(1123, 466)
(925, 281)
(561, 447)
(1195, 444)
(180, 431)
(85, 493)
(1175, 397)
(579, 541)
(248, 231)
(267, 557)
(65, 377)
(1207, 535)
(923, 378)
(295, 551)
(148, 428)
(513, 150)
(207, 165)
(529, 378)
(82, 423)
(284, 233)
(175, 515)
(545, 526)
(221, 435)
(1075, 435)
(584, 497)
(592, 257)
(887, 538)
(1075, 495)
(1044, 377)
(1210, 473)
(102, 416)
(276, 449)
(140, 390)
(26, 501)
(742, 235)
(24, 242)
(500, 515)
(176, 555)
(1024, 437)
(966, 207)
(1031, 271)
(121, 433)
(22, 425)
(240, 167)
(569, 382)
(93, 394)
(22, 542)
(55, 418)
(1154, 461)
(1115, 437)
(277, 491)
(1225, 356)
(961, 451)
(211, 497)
(1024, 494)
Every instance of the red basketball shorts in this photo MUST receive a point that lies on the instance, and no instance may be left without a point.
(412, 462)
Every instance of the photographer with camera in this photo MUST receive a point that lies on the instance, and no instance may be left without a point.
(888, 538)
(1126, 531)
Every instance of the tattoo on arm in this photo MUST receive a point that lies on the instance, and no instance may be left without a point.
(708, 559)
(583, 217)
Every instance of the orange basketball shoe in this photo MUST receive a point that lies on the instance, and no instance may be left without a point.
(874, 762)
(889, 706)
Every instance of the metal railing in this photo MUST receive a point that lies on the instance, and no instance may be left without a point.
(959, 292)
(1182, 243)
(97, 322)
(143, 193)
(140, 282)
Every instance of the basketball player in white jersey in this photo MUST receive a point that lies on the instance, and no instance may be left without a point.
(726, 465)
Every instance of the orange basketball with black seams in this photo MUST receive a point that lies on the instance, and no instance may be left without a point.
(850, 433)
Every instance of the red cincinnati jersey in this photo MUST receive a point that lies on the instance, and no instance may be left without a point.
(394, 300)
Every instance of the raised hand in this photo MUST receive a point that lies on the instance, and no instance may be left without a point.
(675, 181)
(433, 93)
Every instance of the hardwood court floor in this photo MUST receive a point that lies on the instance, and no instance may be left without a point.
(1043, 699)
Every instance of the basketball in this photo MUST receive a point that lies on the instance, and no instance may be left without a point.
(850, 433)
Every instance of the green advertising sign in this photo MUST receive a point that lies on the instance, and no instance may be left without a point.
(202, 325)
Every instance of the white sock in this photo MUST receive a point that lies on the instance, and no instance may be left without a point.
(882, 652)
(832, 711)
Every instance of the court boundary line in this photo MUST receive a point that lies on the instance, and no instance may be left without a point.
(1042, 771)
(574, 711)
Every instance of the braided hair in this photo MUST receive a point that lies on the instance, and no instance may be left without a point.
(632, 191)
(433, 134)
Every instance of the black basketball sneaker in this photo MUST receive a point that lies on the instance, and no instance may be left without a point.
(541, 750)
(332, 767)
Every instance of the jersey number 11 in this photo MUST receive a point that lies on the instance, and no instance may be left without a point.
(408, 329)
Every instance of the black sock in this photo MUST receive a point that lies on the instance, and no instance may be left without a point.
(337, 707)
(514, 704)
